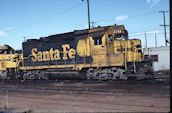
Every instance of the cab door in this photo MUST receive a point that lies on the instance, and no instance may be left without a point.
(110, 44)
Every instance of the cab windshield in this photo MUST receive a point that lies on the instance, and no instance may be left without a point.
(120, 37)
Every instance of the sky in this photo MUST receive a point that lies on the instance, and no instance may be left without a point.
(32, 19)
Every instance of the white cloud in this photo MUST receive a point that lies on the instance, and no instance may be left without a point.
(121, 18)
(2, 33)
(152, 32)
(152, 2)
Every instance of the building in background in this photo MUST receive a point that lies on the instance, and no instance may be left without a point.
(160, 56)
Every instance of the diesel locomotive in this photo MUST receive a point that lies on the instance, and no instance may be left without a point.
(101, 53)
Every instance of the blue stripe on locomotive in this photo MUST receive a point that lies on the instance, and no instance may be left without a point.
(43, 45)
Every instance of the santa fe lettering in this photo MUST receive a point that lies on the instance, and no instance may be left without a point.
(52, 55)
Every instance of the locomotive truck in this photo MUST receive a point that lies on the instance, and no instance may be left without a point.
(101, 53)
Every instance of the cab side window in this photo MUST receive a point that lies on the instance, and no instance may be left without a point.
(110, 38)
(98, 41)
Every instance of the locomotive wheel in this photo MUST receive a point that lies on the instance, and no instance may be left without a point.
(3, 75)
(24, 76)
(90, 73)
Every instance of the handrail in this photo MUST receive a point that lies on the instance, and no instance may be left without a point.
(126, 56)
(135, 60)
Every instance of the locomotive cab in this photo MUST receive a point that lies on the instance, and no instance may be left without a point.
(118, 42)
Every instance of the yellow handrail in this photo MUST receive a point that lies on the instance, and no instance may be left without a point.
(125, 56)
(134, 61)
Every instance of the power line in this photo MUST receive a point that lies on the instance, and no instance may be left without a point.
(144, 34)
(146, 14)
(152, 26)
(145, 31)
(140, 15)
(48, 17)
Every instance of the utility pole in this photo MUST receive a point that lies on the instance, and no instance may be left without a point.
(164, 26)
(88, 13)
(155, 41)
(24, 38)
(145, 41)
(92, 26)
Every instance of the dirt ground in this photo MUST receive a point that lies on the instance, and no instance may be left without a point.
(48, 103)
(67, 96)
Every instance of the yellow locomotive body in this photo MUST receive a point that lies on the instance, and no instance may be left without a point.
(9, 61)
(102, 53)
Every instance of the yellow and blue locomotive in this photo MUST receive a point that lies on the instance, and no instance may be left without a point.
(102, 53)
